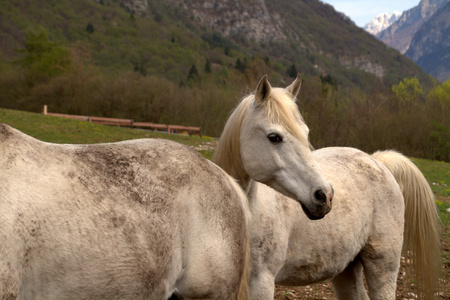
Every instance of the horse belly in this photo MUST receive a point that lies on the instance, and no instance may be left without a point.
(315, 262)
(303, 273)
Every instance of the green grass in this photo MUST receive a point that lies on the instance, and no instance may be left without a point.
(66, 131)
(437, 174)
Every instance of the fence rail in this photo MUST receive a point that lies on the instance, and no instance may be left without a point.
(171, 129)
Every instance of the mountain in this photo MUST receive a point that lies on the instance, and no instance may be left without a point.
(381, 22)
(430, 46)
(168, 37)
(400, 34)
(308, 33)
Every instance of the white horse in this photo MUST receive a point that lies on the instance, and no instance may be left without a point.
(142, 219)
(379, 202)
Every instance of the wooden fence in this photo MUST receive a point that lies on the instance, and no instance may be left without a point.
(170, 129)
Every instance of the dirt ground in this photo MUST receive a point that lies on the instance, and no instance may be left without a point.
(324, 290)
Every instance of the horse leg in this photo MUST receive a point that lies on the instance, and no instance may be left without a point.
(203, 283)
(262, 286)
(349, 284)
(210, 272)
(381, 268)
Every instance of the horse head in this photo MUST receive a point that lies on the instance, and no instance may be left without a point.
(266, 140)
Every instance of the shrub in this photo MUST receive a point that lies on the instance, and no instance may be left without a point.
(43, 59)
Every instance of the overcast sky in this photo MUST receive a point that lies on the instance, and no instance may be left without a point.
(363, 11)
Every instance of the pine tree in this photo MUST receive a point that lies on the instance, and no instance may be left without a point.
(208, 66)
(292, 71)
(90, 28)
(193, 73)
(241, 66)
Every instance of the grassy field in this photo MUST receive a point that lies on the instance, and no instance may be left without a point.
(66, 131)
(60, 130)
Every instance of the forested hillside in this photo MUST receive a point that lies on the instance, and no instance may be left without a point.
(166, 38)
(166, 65)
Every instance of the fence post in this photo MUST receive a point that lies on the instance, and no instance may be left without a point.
(45, 109)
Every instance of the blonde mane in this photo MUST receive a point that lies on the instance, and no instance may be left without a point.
(280, 108)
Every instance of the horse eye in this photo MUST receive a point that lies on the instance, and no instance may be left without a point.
(275, 138)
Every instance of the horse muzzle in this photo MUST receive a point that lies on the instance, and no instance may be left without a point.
(322, 200)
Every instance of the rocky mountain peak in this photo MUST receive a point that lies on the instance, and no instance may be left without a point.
(401, 32)
(381, 22)
(231, 17)
(430, 46)
(429, 7)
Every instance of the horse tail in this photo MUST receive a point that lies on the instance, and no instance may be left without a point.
(244, 292)
(421, 243)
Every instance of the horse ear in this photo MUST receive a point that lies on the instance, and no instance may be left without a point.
(262, 90)
(294, 88)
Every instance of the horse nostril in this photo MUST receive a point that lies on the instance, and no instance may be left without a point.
(320, 196)
(332, 193)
